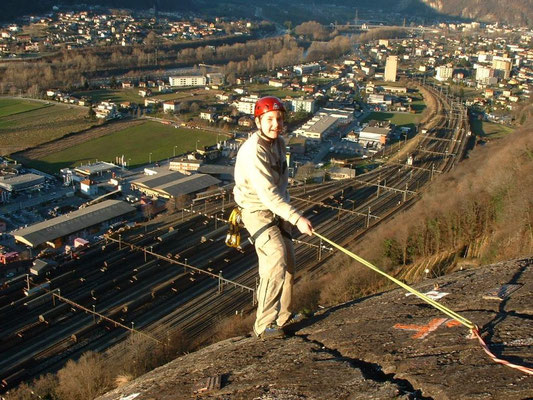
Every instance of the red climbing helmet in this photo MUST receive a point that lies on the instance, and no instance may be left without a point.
(266, 104)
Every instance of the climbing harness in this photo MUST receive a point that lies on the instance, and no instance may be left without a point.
(233, 237)
(474, 330)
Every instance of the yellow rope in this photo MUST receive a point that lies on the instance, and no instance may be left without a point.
(445, 310)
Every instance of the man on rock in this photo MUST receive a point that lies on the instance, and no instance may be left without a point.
(261, 180)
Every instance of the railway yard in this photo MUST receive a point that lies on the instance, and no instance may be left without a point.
(176, 272)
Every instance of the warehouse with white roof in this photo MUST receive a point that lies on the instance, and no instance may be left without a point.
(54, 231)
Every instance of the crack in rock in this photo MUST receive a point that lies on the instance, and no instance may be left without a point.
(371, 371)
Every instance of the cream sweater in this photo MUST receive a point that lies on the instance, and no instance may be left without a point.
(261, 178)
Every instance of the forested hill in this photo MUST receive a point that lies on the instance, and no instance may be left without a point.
(516, 12)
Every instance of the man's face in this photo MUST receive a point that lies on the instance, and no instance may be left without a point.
(270, 123)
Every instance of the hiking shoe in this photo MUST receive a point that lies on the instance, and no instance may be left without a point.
(272, 331)
(295, 318)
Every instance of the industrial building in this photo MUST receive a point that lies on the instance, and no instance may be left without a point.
(17, 183)
(96, 169)
(56, 231)
(373, 136)
(318, 127)
(174, 184)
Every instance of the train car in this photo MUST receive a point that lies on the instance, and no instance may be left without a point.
(145, 271)
(14, 379)
(38, 301)
(81, 333)
(51, 315)
(37, 289)
(58, 280)
(11, 287)
(136, 303)
(102, 289)
(168, 235)
(171, 284)
(31, 330)
(212, 236)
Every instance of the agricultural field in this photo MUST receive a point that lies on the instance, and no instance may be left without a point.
(489, 130)
(139, 144)
(15, 106)
(25, 124)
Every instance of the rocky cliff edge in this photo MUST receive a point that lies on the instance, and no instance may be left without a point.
(385, 346)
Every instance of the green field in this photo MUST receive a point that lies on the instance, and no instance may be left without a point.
(15, 106)
(266, 90)
(398, 119)
(132, 95)
(115, 95)
(135, 143)
(25, 124)
(489, 130)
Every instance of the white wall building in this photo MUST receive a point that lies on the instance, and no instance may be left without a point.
(246, 105)
(318, 127)
(307, 105)
(391, 67)
(444, 72)
(187, 80)
(305, 69)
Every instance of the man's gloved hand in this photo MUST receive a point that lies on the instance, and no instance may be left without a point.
(304, 226)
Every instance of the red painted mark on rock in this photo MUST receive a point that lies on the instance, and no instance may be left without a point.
(423, 330)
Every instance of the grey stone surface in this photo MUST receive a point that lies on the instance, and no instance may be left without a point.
(365, 350)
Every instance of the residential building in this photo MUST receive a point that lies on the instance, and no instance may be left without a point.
(502, 66)
(187, 80)
(444, 72)
(305, 69)
(391, 67)
(246, 105)
(185, 166)
(307, 105)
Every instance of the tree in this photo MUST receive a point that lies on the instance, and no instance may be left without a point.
(91, 115)
(195, 108)
(183, 106)
(312, 29)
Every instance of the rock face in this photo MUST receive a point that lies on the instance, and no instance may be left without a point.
(382, 347)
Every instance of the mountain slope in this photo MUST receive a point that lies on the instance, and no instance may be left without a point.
(515, 12)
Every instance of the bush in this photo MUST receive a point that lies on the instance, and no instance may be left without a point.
(85, 379)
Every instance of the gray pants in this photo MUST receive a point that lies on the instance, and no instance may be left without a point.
(276, 270)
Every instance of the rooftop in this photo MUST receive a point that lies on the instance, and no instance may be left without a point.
(75, 221)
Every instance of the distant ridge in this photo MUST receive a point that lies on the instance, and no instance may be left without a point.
(514, 12)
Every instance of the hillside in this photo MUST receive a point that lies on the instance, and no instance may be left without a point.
(386, 346)
(514, 12)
